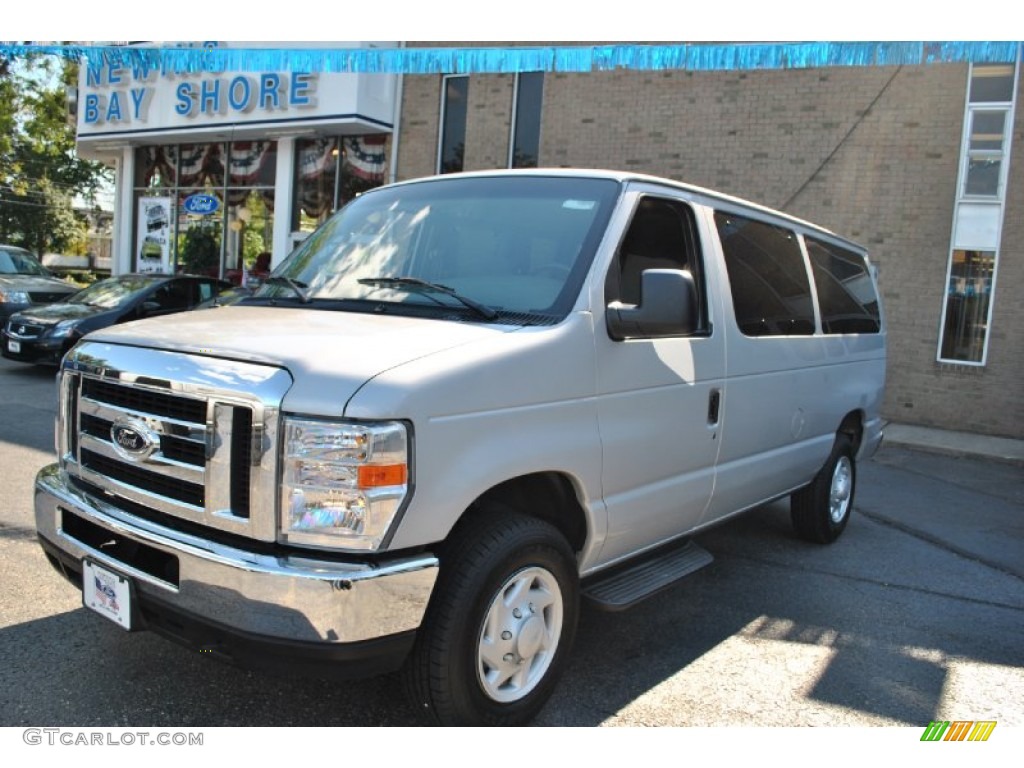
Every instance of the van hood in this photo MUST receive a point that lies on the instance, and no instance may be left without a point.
(330, 354)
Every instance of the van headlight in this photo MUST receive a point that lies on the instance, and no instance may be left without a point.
(343, 482)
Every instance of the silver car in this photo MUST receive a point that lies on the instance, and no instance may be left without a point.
(25, 283)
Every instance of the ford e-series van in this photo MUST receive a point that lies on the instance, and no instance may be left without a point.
(461, 407)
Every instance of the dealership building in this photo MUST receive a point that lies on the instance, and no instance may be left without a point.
(918, 162)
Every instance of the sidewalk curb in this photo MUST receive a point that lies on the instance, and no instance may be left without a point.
(958, 444)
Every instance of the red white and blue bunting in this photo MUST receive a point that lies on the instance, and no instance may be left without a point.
(553, 58)
(364, 156)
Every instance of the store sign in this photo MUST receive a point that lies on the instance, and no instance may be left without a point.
(122, 97)
(200, 205)
(163, 101)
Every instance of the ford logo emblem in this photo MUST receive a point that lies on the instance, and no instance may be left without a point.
(201, 205)
(133, 440)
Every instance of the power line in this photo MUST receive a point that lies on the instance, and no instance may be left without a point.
(52, 206)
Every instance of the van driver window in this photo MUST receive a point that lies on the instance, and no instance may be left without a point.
(662, 235)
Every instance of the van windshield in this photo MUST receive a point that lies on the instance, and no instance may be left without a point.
(487, 248)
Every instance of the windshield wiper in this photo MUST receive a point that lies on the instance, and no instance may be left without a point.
(423, 286)
(294, 285)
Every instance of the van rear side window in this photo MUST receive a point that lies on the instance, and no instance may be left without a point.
(771, 294)
(846, 292)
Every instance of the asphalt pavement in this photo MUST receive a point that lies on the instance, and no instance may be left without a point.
(992, 533)
(915, 615)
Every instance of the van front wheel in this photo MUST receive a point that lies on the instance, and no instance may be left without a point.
(500, 625)
(821, 510)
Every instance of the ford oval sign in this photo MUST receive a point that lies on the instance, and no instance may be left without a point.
(133, 440)
(201, 205)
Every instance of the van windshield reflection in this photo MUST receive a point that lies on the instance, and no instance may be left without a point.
(484, 246)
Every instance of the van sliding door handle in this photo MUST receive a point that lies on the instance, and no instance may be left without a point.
(714, 400)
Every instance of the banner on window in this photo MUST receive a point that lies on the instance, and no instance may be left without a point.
(153, 249)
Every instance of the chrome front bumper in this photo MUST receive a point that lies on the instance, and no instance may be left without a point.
(303, 599)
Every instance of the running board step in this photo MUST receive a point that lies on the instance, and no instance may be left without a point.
(626, 587)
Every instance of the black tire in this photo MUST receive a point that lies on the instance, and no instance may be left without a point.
(821, 509)
(447, 676)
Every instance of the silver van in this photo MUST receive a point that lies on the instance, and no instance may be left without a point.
(474, 401)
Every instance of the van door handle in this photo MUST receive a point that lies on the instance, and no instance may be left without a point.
(714, 400)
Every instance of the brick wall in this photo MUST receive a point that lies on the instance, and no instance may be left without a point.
(871, 153)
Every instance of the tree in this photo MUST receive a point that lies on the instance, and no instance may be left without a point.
(40, 172)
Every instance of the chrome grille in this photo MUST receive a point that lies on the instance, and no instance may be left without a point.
(20, 330)
(186, 436)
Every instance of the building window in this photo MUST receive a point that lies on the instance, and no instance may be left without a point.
(222, 238)
(985, 152)
(332, 170)
(524, 146)
(978, 216)
(968, 300)
(452, 141)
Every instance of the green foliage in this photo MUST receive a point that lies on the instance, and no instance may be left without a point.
(199, 251)
(253, 240)
(40, 172)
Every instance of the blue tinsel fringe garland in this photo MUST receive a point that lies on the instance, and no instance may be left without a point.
(580, 58)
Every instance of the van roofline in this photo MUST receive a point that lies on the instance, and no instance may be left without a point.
(631, 176)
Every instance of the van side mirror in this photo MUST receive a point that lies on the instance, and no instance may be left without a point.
(668, 307)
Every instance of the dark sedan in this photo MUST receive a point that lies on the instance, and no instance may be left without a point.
(44, 334)
(25, 282)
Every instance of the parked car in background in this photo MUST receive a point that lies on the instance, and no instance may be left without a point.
(25, 282)
(44, 334)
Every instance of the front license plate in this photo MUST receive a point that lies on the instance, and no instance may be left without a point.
(14, 346)
(107, 593)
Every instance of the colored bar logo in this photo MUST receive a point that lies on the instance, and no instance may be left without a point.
(958, 730)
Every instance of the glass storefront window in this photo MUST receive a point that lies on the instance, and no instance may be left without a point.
(233, 235)
(156, 167)
(316, 175)
(201, 165)
(252, 163)
(331, 171)
(249, 236)
(199, 236)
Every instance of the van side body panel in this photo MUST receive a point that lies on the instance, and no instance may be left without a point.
(521, 403)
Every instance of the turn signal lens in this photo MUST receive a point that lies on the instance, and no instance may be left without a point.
(378, 476)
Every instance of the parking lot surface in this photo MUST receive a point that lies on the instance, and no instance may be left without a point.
(915, 614)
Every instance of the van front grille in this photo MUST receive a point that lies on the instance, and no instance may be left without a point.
(145, 401)
(144, 426)
(186, 493)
